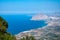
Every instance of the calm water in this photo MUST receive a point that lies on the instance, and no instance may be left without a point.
(19, 23)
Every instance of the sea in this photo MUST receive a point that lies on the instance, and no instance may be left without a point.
(20, 23)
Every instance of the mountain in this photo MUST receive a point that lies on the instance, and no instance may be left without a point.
(49, 32)
(39, 17)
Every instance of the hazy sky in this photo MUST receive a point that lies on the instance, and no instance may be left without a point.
(29, 6)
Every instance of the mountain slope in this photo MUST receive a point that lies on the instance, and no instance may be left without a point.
(49, 32)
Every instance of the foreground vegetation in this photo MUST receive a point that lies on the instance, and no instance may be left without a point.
(4, 35)
(28, 38)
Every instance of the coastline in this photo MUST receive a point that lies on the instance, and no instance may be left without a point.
(41, 32)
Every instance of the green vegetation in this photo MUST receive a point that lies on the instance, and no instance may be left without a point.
(3, 34)
(28, 38)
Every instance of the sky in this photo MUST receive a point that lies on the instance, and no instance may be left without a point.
(29, 6)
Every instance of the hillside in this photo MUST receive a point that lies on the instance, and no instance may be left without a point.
(49, 32)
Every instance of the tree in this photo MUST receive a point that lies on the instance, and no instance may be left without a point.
(3, 34)
(32, 38)
(3, 25)
(28, 38)
(23, 38)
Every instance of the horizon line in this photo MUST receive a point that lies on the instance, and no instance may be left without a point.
(5, 12)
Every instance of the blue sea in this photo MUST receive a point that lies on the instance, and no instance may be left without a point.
(20, 23)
